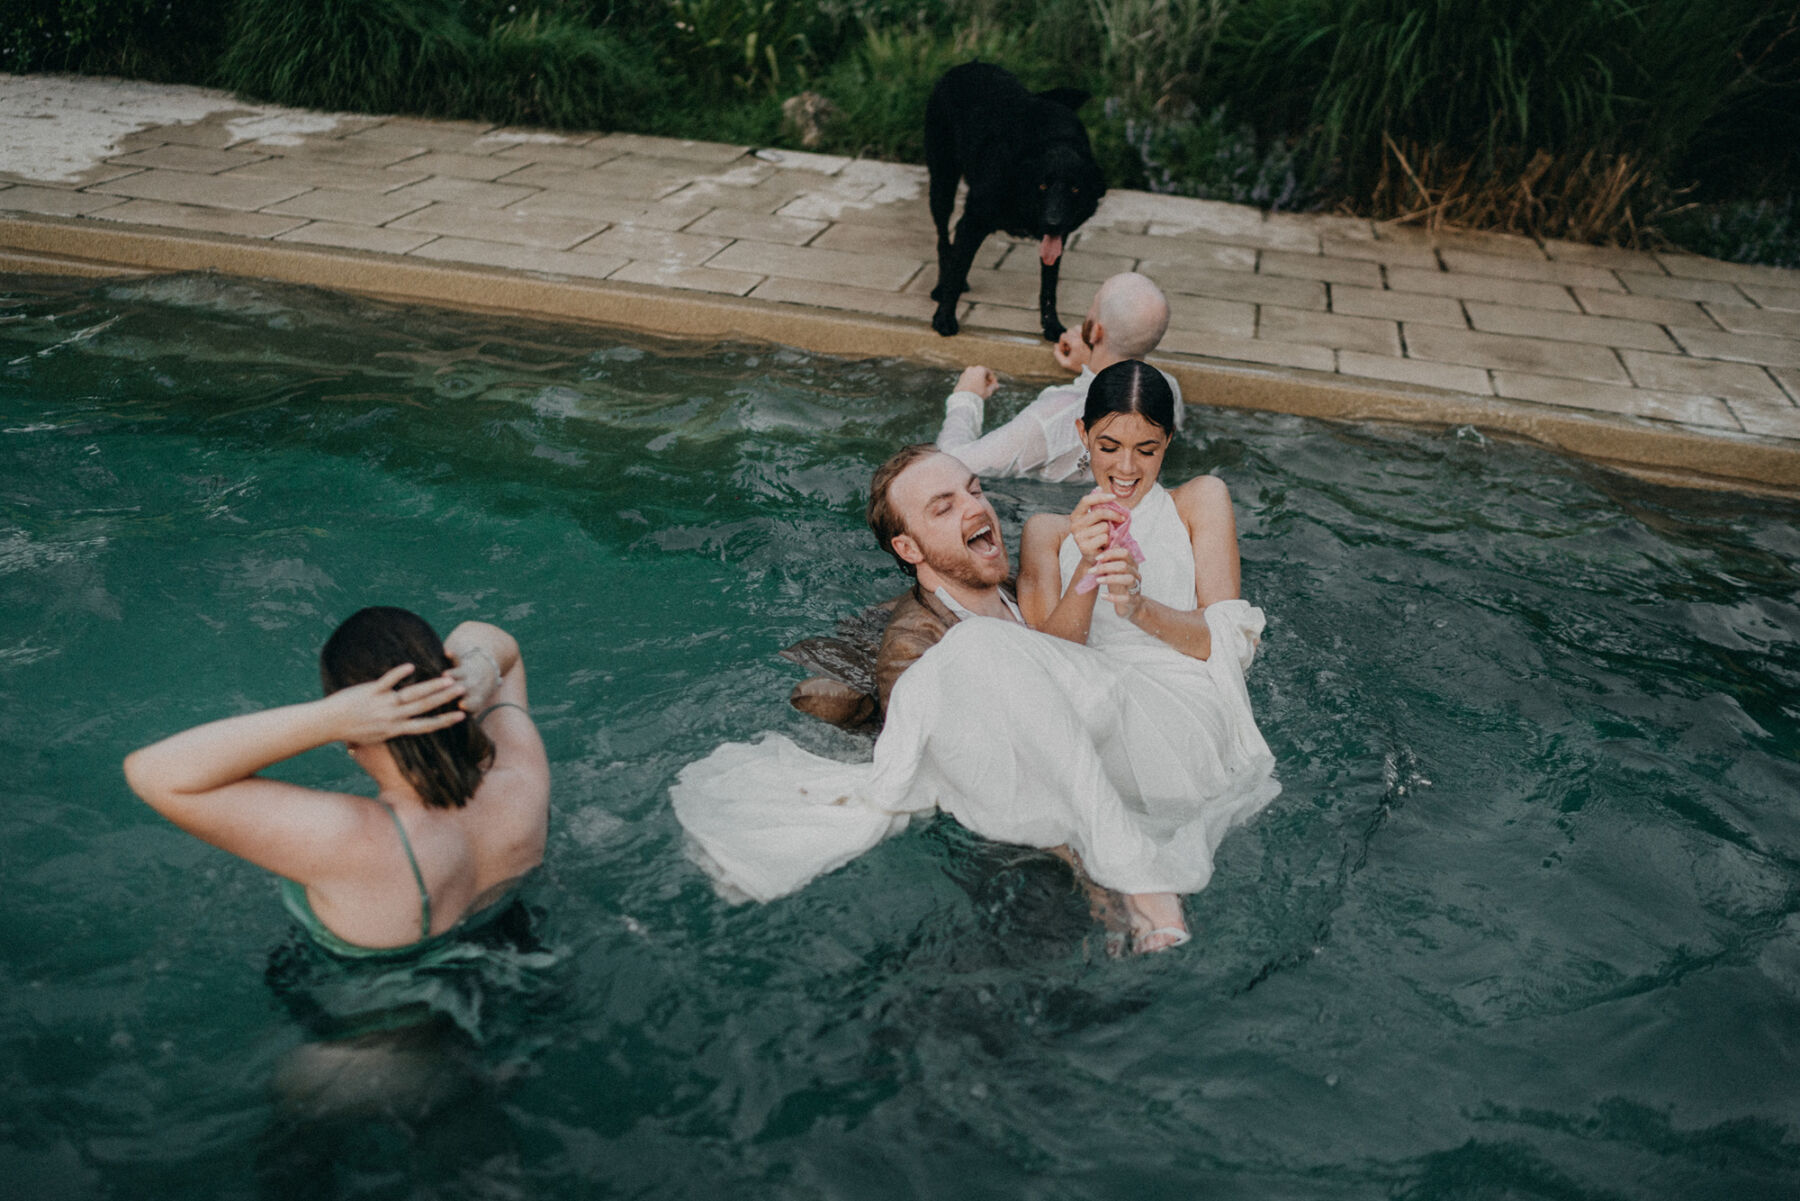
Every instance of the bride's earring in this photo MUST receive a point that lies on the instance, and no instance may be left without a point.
(1082, 463)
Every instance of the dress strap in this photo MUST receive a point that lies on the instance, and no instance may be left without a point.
(418, 876)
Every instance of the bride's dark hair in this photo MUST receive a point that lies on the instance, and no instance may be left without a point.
(444, 766)
(1132, 386)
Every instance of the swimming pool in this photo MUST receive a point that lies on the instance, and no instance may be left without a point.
(1525, 921)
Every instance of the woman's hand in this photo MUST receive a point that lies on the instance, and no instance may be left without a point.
(477, 671)
(377, 711)
(1120, 583)
(1091, 526)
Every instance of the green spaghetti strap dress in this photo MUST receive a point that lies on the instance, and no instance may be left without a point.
(338, 989)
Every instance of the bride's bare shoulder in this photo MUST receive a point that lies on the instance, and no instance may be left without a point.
(1202, 495)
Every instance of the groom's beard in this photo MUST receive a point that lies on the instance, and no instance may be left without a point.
(970, 573)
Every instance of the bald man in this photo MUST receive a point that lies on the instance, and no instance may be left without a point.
(1126, 321)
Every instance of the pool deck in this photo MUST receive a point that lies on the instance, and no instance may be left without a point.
(1677, 367)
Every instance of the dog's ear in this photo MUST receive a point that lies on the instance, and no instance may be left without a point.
(1069, 98)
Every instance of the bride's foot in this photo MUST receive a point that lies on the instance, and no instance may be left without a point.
(1108, 908)
(1157, 923)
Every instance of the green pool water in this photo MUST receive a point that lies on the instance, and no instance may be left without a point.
(1524, 922)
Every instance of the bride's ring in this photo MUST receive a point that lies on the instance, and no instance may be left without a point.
(1137, 586)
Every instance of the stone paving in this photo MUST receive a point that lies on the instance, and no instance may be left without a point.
(1707, 347)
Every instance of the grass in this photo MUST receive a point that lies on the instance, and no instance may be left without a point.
(542, 68)
(389, 57)
(1155, 53)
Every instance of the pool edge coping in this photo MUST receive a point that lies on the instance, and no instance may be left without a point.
(1659, 451)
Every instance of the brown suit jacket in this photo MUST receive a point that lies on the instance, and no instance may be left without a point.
(919, 621)
(840, 690)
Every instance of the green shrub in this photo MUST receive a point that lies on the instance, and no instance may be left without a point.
(880, 88)
(1154, 54)
(1436, 108)
(143, 39)
(553, 71)
(1477, 75)
(744, 46)
(1577, 118)
(546, 66)
(1740, 231)
(1748, 143)
(372, 56)
(1058, 40)
(881, 84)
(1212, 156)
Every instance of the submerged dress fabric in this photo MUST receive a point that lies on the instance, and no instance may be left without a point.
(1131, 753)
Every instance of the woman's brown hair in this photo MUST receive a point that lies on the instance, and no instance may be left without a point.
(446, 765)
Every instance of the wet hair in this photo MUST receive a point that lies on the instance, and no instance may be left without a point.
(1132, 386)
(445, 766)
(883, 521)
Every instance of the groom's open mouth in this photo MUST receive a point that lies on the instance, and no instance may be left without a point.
(983, 542)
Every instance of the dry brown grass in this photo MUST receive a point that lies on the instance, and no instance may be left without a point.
(1590, 197)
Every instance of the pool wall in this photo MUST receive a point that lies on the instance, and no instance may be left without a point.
(1661, 451)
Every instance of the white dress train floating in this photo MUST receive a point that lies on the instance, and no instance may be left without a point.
(1131, 753)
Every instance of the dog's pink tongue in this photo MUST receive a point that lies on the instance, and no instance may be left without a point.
(1050, 249)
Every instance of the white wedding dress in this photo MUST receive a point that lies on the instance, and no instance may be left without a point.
(1131, 753)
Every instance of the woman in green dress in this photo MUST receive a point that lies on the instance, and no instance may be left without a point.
(462, 785)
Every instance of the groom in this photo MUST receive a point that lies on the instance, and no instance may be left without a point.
(927, 510)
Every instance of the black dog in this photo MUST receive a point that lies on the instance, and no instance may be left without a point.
(1030, 172)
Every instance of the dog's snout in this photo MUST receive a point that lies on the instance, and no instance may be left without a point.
(1059, 211)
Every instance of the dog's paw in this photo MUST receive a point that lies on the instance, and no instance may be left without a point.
(944, 321)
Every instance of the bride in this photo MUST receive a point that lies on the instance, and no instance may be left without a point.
(1117, 727)
(1162, 560)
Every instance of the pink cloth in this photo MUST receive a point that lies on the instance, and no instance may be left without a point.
(1119, 535)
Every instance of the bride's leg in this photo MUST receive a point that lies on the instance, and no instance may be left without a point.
(1105, 906)
(1157, 922)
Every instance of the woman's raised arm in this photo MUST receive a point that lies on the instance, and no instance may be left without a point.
(204, 779)
(497, 697)
(1046, 605)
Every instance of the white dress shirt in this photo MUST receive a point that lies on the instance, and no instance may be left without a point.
(1040, 443)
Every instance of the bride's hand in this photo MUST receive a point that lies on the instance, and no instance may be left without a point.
(1090, 526)
(1119, 581)
(377, 711)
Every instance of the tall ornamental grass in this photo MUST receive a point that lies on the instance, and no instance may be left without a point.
(363, 55)
(423, 56)
(1579, 118)
(556, 72)
(1155, 54)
